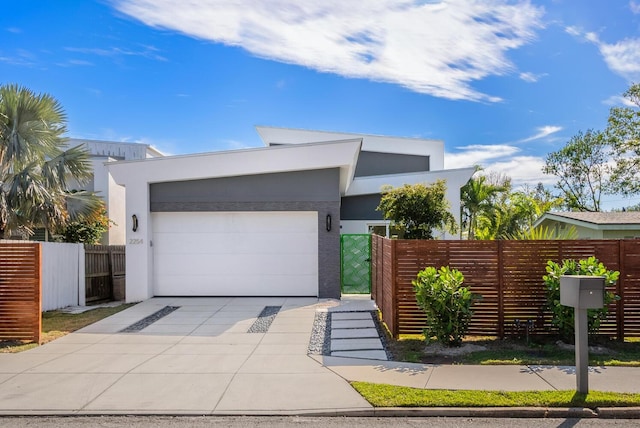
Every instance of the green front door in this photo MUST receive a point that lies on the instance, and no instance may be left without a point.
(355, 263)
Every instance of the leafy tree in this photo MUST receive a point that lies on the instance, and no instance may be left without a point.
(582, 169)
(35, 168)
(623, 133)
(418, 209)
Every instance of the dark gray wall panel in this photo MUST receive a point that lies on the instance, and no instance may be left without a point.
(314, 185)
(360, 207)
(376, 163)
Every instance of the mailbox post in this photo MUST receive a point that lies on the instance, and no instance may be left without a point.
(581, 293)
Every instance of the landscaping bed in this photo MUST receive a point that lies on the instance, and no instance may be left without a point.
(536, 351)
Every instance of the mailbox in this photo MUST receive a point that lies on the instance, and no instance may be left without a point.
(581, 291)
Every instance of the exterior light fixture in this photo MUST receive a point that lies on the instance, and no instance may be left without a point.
(328, 222)
(134, 222)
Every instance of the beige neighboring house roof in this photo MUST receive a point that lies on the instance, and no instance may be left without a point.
(595, 220)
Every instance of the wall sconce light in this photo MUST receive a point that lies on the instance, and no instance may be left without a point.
(134, 222)
(328, 222)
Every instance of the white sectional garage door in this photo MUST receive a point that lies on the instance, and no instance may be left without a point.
(235, 253)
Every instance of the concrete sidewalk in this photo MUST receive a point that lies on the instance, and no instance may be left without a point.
(200, 359)
(485, 377)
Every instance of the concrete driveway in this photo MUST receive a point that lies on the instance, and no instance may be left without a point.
(198, 359)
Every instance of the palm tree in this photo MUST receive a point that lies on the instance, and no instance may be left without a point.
(478, 199)
(36, 167)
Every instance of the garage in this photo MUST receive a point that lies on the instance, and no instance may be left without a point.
(261, 253)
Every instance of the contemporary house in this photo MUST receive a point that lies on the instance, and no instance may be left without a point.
(594, 225)
(263, 221)
(101, 182)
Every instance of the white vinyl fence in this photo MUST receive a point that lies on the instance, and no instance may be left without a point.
(63, 281)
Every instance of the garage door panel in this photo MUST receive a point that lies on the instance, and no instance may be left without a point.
(242, 253)
(249, 285)
(258, 243)
(238, 264)
(224, 222)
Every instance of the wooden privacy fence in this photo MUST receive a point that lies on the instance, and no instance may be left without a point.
(508, 276)
(104, 272)
(20, 291)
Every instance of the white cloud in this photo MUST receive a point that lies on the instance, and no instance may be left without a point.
(522, 170)
(433, 47)
(616, 100)
(543, 132)
(148, 52)
(501, 159)
(635, 7)
(478, 155)
(531, 77)
(622, 57)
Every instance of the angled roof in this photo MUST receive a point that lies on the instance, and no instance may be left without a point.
(596, 220)
(371, 143)
(264, 160)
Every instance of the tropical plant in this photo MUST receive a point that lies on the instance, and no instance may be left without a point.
(563, 316)
(36, 168)
(543, 232)
(479, 201)
(446, 303)
(88, 230)
(418, 209)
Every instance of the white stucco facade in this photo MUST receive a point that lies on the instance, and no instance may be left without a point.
(136, 176)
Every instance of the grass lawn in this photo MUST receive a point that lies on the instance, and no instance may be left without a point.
(400, 396)
(56, 324)
(538, 351)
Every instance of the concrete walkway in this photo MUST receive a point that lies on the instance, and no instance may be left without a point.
(200, 359)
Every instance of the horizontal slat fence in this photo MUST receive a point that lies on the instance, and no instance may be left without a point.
(508, 276)
(20, 291)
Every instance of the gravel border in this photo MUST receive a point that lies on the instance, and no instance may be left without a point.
(320, 341)
(382, 334)
(266, 317)
(147, 321)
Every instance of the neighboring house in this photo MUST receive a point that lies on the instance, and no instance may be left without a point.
(594, 225)
(263, 221)
(102, 183)
(383, 160)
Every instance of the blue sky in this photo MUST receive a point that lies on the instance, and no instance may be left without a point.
(503, 83)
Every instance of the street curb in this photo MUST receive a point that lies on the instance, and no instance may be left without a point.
(381, 412)
(618, 412)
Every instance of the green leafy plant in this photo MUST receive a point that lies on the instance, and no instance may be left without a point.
(89, 229)
(418, 209)
(446, 303)
(563, 317)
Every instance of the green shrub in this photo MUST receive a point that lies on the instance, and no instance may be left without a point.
(563, 316)
(446, 303)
